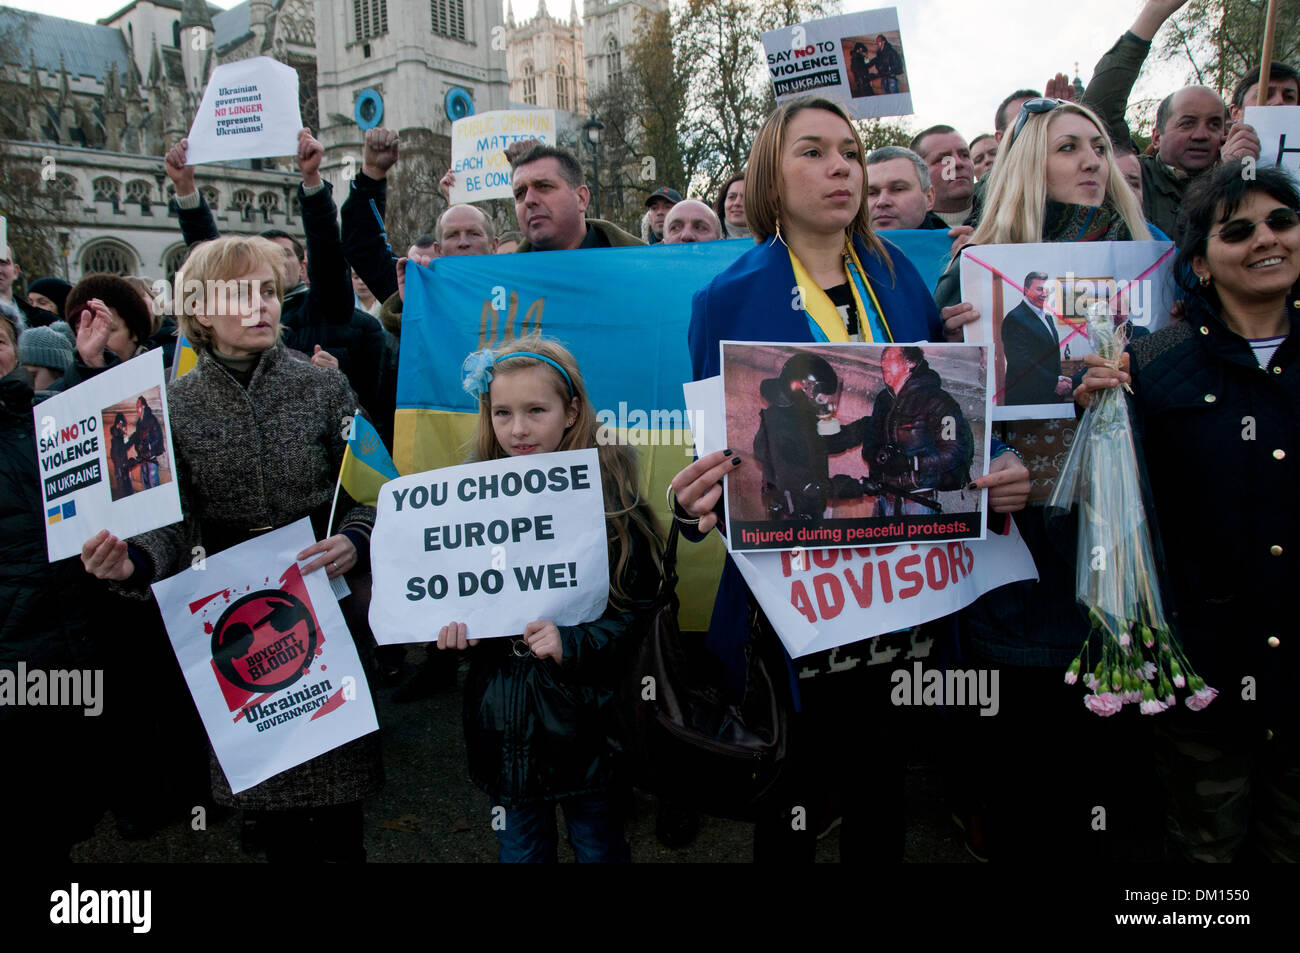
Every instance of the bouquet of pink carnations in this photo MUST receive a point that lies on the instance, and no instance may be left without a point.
(1139, 659)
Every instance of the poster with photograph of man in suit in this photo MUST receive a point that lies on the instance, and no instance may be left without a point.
(1034, 301)
(854, 444)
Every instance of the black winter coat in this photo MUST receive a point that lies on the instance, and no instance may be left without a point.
(1221, 437)
(538, 731)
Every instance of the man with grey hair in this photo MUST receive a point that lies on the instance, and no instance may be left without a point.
(899, 192)
(691, 220)
(464, 230)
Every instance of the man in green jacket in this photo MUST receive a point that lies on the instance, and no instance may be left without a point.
(551, 204)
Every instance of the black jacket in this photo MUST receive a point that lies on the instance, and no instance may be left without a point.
(538, 731)
(322, 313)
(1221, 438)
(365, 239)
(911, 424)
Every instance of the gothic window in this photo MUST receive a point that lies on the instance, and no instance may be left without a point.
(107, 190)
(176, 34)
(211, 196)
(107, 256)
(63, 189)
(530, 85)
(242, 202)
(448, 18)
(613, 60)
(297, 23)
(137, 193)
(173, 260)
(370, 17)
(561, 87)
(269, 203)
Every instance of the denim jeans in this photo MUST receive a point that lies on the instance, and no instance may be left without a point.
(595, 826)
(889, 84)
(148, 474)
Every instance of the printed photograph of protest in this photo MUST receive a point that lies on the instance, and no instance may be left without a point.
(876, 65)
(854, 444)
(137, 444)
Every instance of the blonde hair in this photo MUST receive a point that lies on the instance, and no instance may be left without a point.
(625, 511)
(765, 186)
(1016, 203)
(221, 259)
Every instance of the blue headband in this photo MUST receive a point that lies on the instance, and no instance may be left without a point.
(476, 372)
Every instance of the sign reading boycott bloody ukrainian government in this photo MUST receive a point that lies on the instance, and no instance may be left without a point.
(267, 656)
(249, 111)
(104, 449)
(495, 545)
(478, 145)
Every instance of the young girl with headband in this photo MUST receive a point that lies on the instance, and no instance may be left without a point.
(537, 706)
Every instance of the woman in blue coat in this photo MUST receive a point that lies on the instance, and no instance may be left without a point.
(817, 273)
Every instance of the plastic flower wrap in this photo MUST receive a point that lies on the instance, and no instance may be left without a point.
(1139, 661)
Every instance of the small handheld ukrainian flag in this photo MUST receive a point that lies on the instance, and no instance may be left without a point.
(366, 463)
(185, 357)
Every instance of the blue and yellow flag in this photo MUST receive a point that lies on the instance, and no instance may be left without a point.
(366, 463)
(185, 357)
(624, 314)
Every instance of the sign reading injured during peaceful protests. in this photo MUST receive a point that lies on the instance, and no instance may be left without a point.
(478, 145)
(267, 656)
(854, 444)
(817, 599)
(495, 545)
(104, 449)
(1034, 301)
(1278, 128)
(855, 59)
(249, 111)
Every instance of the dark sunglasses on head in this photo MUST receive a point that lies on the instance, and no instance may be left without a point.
(1032, 107)
(1240, 229)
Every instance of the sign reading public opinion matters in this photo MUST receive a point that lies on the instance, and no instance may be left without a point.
(104, 449)
(478, 145)
(249, 111)
(856, 59)
(495, 545)
(267, 656)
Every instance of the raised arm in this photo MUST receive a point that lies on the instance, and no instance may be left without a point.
(365, 240)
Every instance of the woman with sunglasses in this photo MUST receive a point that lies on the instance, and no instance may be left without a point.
(805, 200)
(1216, 398)
(1054, 180)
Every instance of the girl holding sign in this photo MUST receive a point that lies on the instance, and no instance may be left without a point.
(538, 706)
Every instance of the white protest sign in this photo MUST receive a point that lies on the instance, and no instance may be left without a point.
(1033, 300)
(855, 59)
(104, 449)
(249, 111)
(267, 656)
(495, 545)
(820, 599)
(4, 239)
(478, 146)
(1278, 128)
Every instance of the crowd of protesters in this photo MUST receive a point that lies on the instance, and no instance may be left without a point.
(323, 336)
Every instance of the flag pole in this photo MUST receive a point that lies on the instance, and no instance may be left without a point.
(1266, 56)
(338, 483)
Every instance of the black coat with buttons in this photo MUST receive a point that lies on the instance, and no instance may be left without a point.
(1221, 437)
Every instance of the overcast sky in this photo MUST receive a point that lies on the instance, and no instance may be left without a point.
(963, 56)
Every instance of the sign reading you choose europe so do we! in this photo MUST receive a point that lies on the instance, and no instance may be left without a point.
(496, 545)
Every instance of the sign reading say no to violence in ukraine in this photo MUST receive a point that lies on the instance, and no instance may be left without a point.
(495, 545)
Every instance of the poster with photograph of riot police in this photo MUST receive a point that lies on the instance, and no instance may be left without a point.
(853, 445)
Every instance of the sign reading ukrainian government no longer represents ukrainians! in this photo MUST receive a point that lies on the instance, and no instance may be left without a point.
(495, 545)
(855, 59)
(267, 656)
(249, 111)
(478, 145)
(105, 454)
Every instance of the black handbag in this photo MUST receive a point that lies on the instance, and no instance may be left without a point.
(685, 740)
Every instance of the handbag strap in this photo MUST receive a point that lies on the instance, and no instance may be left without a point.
(668, 585)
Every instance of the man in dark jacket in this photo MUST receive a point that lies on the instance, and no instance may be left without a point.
(321, 313)
(887, 65)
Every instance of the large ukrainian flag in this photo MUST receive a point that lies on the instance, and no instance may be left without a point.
(623, 312)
